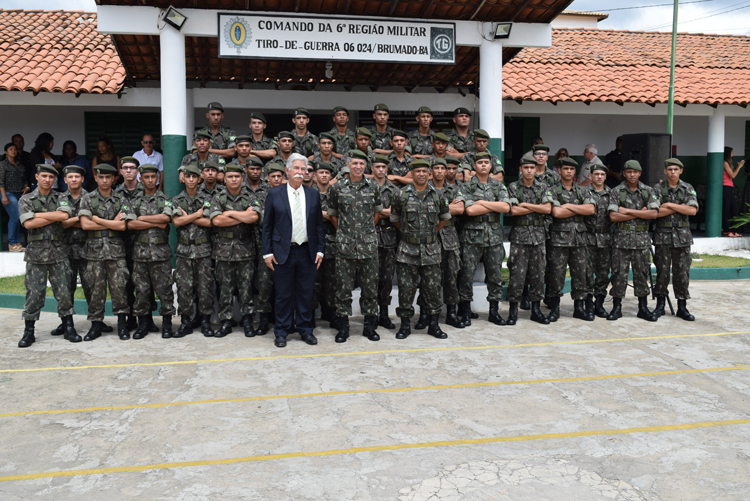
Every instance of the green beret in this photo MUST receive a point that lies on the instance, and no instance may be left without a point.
(424, 109)
(364, 131)
(50, 169)
(301, 111)
(439, 136)
(148, 168)
(482, 156)
(632, 165)
(398, 133)
(599, 166)
(215, 106)
(381, 107)
(324, 166)
(192, 169)
(276, 167)
(340, 108)
(258, 116)
(538, 147)
(129, 160)
(358, 154)
(74, 169)
(416, 164)
(105, 169)
(342, 171)
(528, 160)
(285, 133)
(568, 161)
(234, 168)
(439, 161)
(461, 111)
(201, 134)
(451, 160)
(481, 134)
(253, 160)
(327, 135)
(243, 139)
(673, 161)
(380, 159)
(210, 164)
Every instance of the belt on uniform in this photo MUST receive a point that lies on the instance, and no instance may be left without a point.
(526, 222)
(485, 218)
(668, 224)
(632, 227)
(233, 234)
(151, 240)
(42, 236)
(450, 222)
(423, 240)
(193, 241)
(105, 234)
(560, 220)
(78, 239)
(598, 231)
(385, 222)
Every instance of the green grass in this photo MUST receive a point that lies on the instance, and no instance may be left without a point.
(714, 261)
(15, 285)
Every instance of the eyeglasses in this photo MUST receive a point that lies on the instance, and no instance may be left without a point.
(129, 167)
(310, 170)
(147, 142)
(540, 154)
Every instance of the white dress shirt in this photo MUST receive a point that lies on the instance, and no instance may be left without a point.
(290, 193)
(155, 158)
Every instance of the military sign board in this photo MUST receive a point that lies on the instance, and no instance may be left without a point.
(336, 39)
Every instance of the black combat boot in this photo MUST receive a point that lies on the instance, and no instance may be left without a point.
(422, 321)
(599, 310)
(644, 312)
(166, 326)
(554, 306)
(28, 335)
(142, 330)
(513, 313)
(434, 329)
(58, 331)
(494, 315)
(343, 329)
(452, 319)
(206, 328)
(589, 307)
(70, 330)
(326, 312)
(537, 315)
(132, 322)
(263, 326)
(616, 309)
(405, 329)
(464, 313)
(660, 303)
(185, 328)
(384, 320)
(247, 325)
(151, 325)
(94, 332)
(525, 304)
(122, 327)
(226, 328)
(371, 323)
(196, 322)
(682, 310)
(579, 311)
(106, 328)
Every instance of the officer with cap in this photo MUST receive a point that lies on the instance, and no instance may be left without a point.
(285, 144)
(631, 205)
(222, 138)
(305, 143)
(439, 146)
(201, 152)
(325, 280)
(326, 152)
(598, 227)
(104, 214)
(362, 139)
(481, 143)
(544, 173)
(244, 148)
(381, 132)
(210, 176)
(263, 146)
(420, 139)
(399, 161)
(343, 137)
(673, 238)
(461, 138)
(42, 212)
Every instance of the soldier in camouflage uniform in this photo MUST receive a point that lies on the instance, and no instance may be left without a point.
(399, 161)
(362, 143)
(531, 201)
(673, 238)
(305, 143)
(387, 239)
(326, 152)
(354, 206)
(420, 139)
(194, 270)
(381, 132)
(285, 145)
(325, 280)
(266, 291)
(234, 212)
(104, 215)
(461, 138)
(263, 146)
(439, 146)
(568, 242)
(598, 226)
(343, 137)
(222, 138)
(481, 142)
(482, 238)
(420, 212)
(202, 143)
(259, 188)
(42, 212)
(631, 205)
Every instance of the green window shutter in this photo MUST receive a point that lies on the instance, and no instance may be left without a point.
(124, 129)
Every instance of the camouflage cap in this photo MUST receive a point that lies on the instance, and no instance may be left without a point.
(673, 161)
(381, 107)
(451, 160)
(148, 168)
(632, 165)
(481, 134)
(424, 109)
(461, 111)
(340, 108)
(327, 135)
(439, 136)
(276, 167)
(192, 169)
(49, 169)
(361, 155)
(364, 131)
(380, 159)
(74, 169)
(568, 161)
(129, 160)
(439, 161)
(215, 106)
(258, 116)
(234, 168)
(105, 169)
(417, 164)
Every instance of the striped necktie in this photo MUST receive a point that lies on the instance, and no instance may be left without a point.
(299, 223)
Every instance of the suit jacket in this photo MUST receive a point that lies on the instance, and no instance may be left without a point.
(277, 223)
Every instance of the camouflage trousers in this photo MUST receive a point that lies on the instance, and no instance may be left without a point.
(346, 272)
(679, 259)
(113, 272)
(386, 267)
(265, 286)
(36, 289)
(130, 287)
(325, 284)
(450, 266)
(559, 259)
(526, 265)
(231, 276)
(195, 279)
(597, 277)
(78, 268)
(428, 279)
(622, 260)
(492, 257)
(149, 277)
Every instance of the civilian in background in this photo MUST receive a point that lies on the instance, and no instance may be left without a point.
(561, 153)
(23, 157)
(13, 185)
(729, 203)
(589, 154)
(71, 157)
(148, 155)
(613, 162)
(105, 152)
(42, 154)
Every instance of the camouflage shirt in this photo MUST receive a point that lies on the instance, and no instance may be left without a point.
(261, 192)
(233, 243)
(529, 229)
(462, 144)
(419, 214)
(569, 231)
(548, 177)
(381, 140)
(330, 228)
(598, 224)
(152, 244)
(193, 241)
(222, 140)
(305, 145)
(344, 143)
(265, 143)
(192, 157)
(355, 205)
(468, 162)
(75, 238)
(632, 234)
(387, 233)
(485, 230)
(448, 234)
(400, 167)
(130, 196)
(335, 162)
(420, 145)
(46, 245)
(105, 248)
(674, 230)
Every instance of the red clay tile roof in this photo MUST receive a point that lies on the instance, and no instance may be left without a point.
(631, 67)
(57, 51)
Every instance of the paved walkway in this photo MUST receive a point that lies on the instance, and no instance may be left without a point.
(624, 410)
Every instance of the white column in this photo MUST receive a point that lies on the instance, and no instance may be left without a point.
(715, 172)
(189, 117)
(173, 79)
(491, 91)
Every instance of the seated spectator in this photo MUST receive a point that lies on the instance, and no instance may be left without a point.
(13, 185)
(71, 157)
(148, 155)
(42, 154)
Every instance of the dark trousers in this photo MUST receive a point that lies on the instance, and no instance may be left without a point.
(295, 280)
(729, 209)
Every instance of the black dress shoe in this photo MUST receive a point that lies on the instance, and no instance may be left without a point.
(280, 342)
(309, 339)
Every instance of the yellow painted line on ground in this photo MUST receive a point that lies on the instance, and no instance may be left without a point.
(383, 390)
(379, 352)
(376, 448)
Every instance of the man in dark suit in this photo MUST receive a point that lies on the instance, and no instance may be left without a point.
(293, 246)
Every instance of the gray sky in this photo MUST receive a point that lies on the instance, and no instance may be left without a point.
(721, 20)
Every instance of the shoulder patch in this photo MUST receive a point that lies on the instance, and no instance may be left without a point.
(207, 204)
(232, 138)
(167, 203)
(125, 207)
(654, 197)
(692, 192)
(63, 203)
(222, 161)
